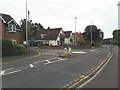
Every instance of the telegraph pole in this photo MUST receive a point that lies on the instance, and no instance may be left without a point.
(26, 27)
(91, 33)
(75, 32)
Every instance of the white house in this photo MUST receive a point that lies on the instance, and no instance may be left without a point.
(50, 36)
(69, 39)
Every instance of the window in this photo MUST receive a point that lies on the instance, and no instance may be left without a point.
(13, 41)
(43, 35)
(12, 28)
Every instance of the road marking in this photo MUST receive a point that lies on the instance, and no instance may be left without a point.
(11, 72)
(94, 50)
(31, 65)
(79, 52)
(2, 72)
(22, 59)
(51, 62)
(96, 73)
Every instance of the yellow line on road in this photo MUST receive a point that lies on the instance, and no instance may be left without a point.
(22, 59)
(82, 77)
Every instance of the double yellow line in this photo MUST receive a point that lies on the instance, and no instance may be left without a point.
(83, 78)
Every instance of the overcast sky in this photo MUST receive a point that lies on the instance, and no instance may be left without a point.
(62, 13)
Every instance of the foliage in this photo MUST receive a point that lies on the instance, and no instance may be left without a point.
(97, 34)
(32, 28)
(9, 49)
(116, 37)
(83, 43)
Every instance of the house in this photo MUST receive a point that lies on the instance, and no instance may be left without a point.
(78, 37)
(69, 39)
(9, 29)
(50, 36)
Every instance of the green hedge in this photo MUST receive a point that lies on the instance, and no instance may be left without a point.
(8, 49)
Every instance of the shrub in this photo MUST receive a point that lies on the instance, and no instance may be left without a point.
(19, 49)
(9, 49)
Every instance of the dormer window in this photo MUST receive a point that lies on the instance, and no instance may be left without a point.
(12, 28)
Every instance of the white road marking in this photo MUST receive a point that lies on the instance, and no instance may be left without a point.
(8, 69)
(31, 65)
(48, 61)
(79, 52)
(2, 72)
(11, 72)
(94, 50)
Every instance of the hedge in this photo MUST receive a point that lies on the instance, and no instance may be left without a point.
(9, 49)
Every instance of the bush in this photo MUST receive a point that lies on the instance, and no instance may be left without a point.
(19, 49)
(83, 43)
(8, 49)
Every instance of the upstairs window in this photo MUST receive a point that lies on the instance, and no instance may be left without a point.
(12, 28)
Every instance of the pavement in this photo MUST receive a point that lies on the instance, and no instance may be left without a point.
(13, 58)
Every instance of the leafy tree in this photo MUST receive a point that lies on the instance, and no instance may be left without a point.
(97, 34)
(32, 28)
(116, 37)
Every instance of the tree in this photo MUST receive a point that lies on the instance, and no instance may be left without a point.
(116, 37)
(97, 34)
(32, 28)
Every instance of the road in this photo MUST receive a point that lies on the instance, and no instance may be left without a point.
(47, 70)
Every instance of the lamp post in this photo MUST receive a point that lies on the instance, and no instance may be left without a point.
(91, 32)
(119, 15)
(75, 32)
(26, 27)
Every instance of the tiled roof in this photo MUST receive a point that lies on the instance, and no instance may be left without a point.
(67, 34)
(51, 34)
(6, 17)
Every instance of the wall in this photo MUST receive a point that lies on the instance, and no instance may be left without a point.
(53, 42)
(67, 41)
(13, 35)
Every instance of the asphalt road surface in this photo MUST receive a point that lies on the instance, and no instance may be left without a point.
(47, 70)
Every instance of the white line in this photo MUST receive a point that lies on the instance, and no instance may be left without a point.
(96, 73)
(12, 72)
(8, 69)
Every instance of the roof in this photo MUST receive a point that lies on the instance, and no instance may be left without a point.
(51, 34)
(8, 19)
(67, 34)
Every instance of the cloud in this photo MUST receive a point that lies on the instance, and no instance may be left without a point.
(61, 13)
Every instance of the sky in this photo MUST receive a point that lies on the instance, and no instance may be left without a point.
(62, 13)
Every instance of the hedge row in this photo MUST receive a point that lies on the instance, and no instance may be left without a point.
(9, 49)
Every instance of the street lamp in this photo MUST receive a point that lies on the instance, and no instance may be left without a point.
(75, 31)
(26, 27)
(91, 32)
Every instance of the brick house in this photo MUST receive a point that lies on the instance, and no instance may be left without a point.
(79, 37)
(9, 29)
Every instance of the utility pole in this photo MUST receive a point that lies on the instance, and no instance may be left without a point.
(118, 15)
(75, 32)
(26, 27)
(91, 33)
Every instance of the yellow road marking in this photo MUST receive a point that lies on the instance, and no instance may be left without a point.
(94, 69)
